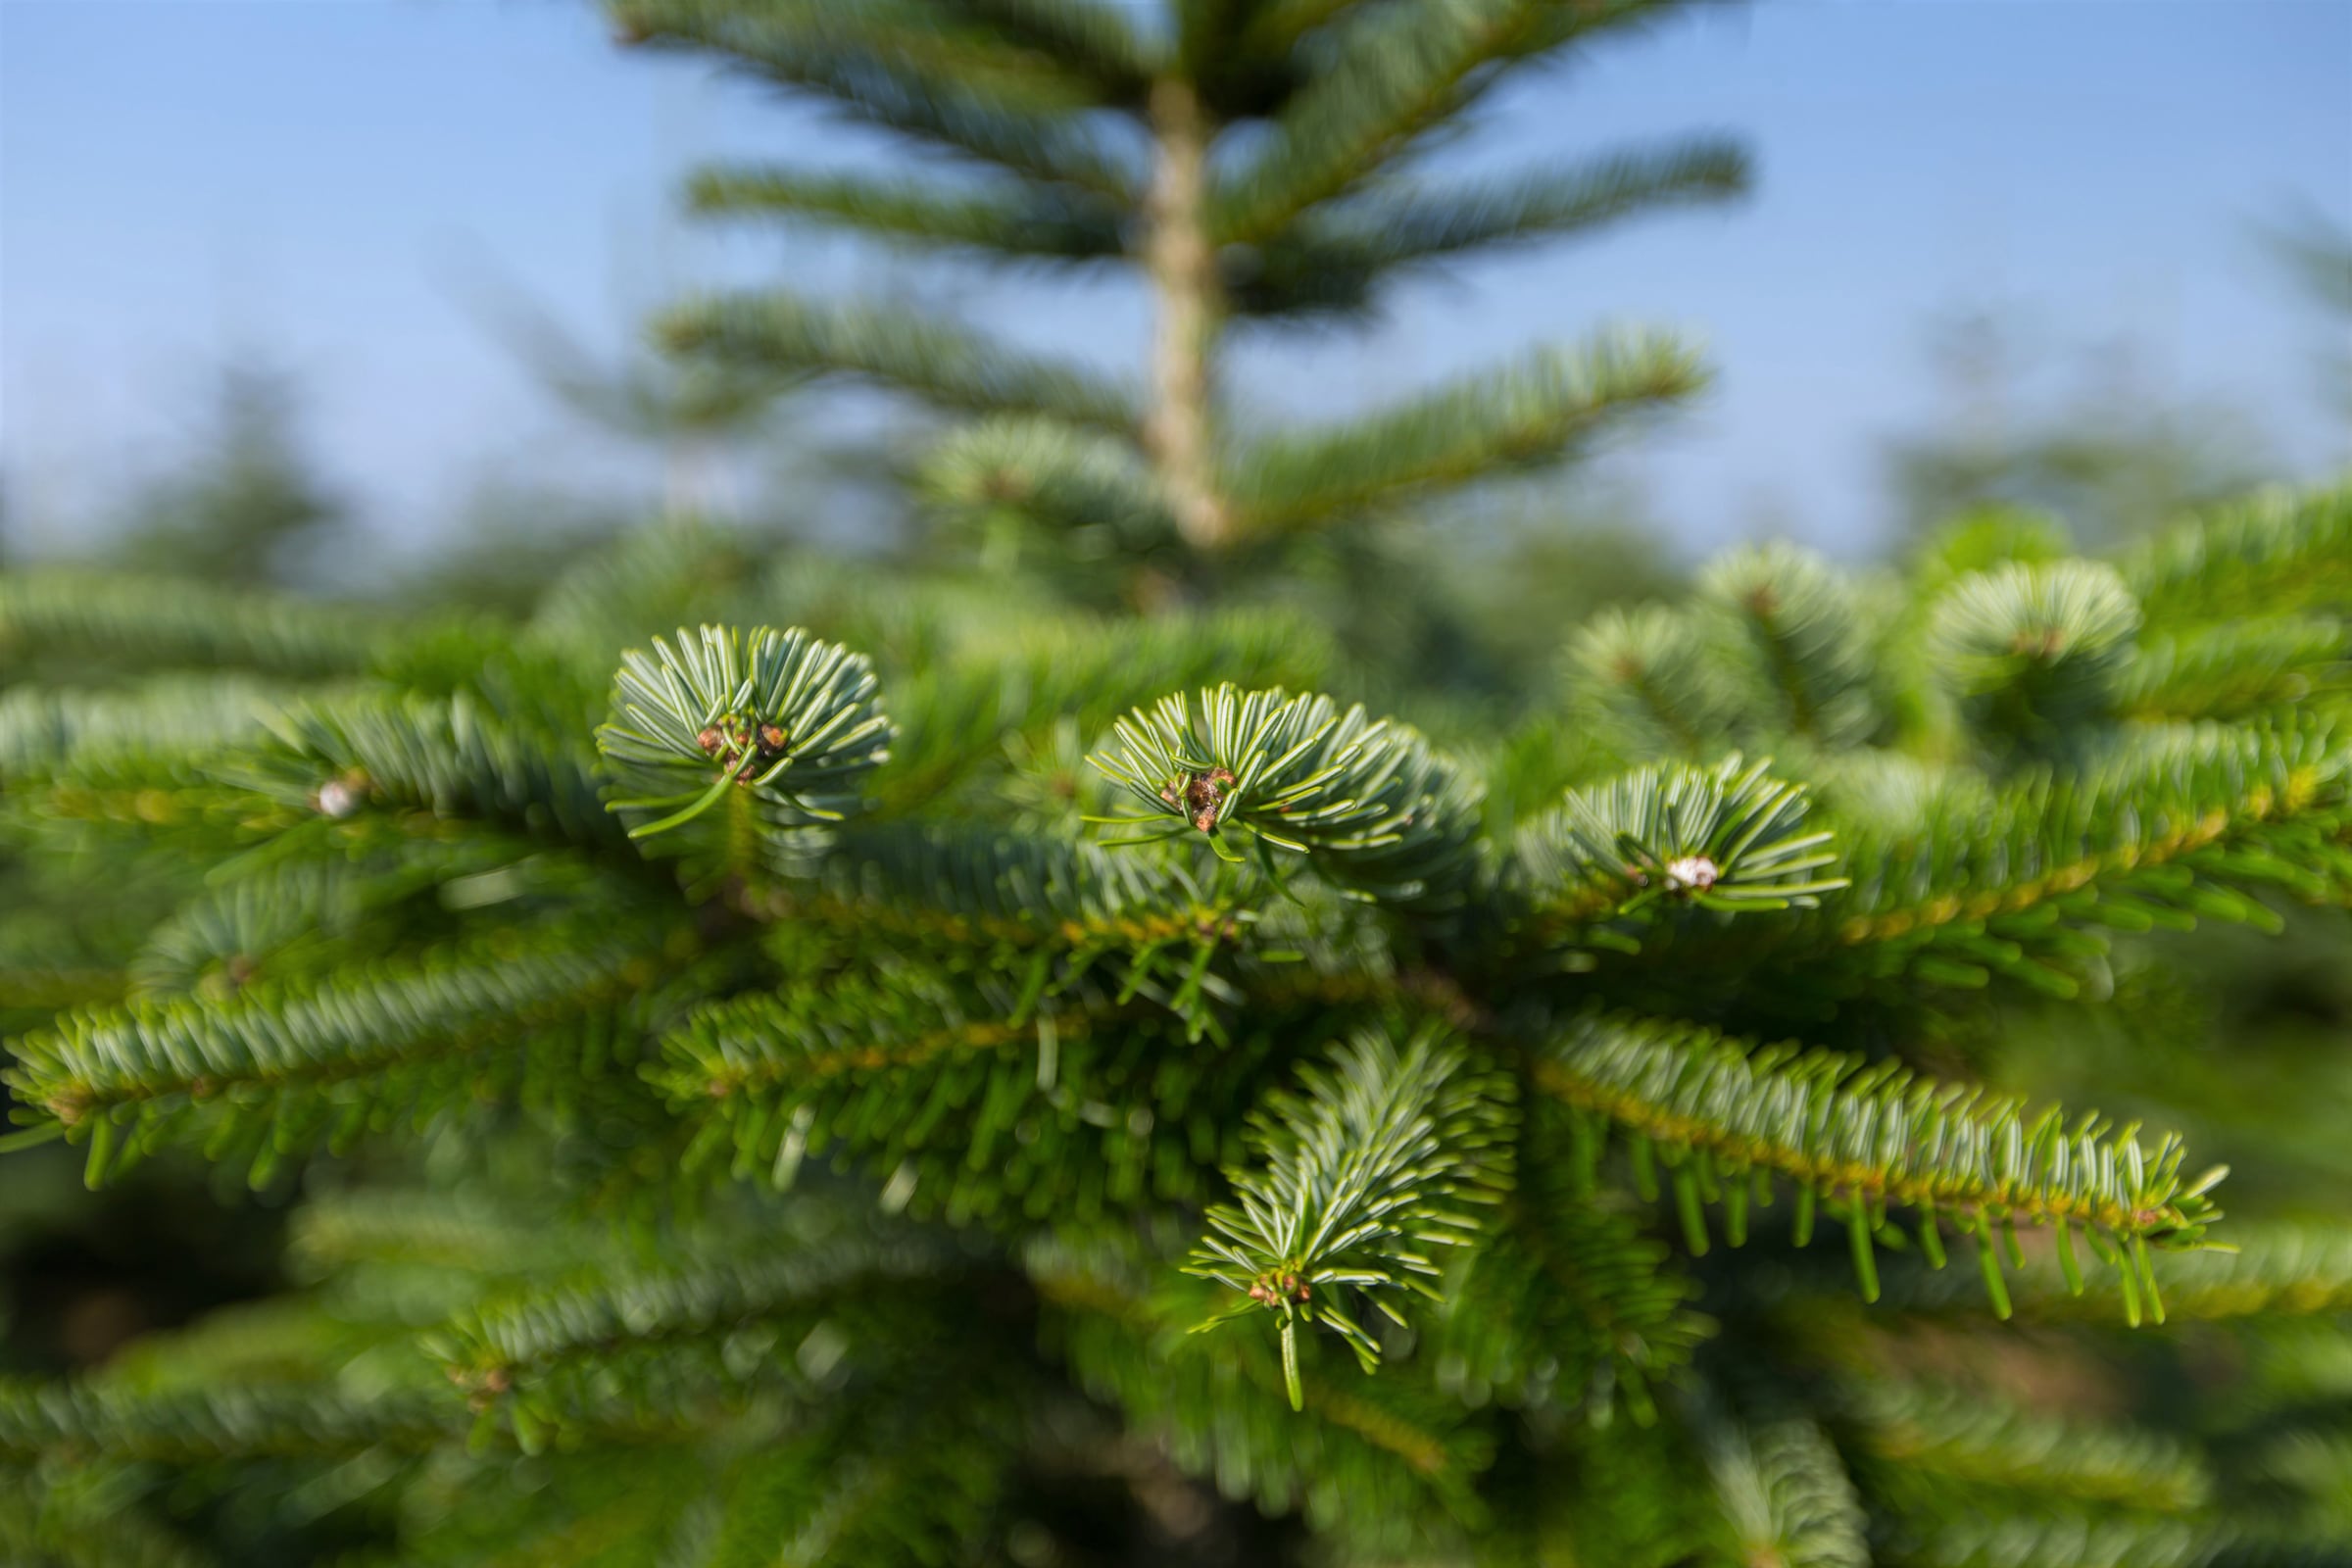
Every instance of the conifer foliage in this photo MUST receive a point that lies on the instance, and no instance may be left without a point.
(745, 1111)
(1254, 166)
(765, 1064)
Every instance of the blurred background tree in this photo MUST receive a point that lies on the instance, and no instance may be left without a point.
(2103, 448)
(248, 506)
(1255, 168)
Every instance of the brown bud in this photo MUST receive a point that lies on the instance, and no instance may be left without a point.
(711, 740)
(772, 737)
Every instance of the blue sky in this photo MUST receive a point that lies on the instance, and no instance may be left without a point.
(320, 179)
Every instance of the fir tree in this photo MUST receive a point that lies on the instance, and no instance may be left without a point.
(811, 1114)
(1256, 164)
(769, 1064)
(248, 508)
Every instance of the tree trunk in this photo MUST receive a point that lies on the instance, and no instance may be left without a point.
(1183, 267)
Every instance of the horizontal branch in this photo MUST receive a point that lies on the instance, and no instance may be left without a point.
(939, 361)
(305, 1060)
(1529, 414)
(917, 70)
(116, 622)
(1724, 1117)
(1435, 218)
(1029, 224)
(47, 1420)
(2175, 826)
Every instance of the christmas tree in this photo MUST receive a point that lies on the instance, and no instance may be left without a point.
(766, 1062)
(1254, 167)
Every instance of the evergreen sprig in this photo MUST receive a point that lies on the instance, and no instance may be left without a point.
(1726, 838)
(1366, 1458)
(1565, 1299)
(946, 365)
(1366, 800)
(1937, 1431)
(284, 1066)
(2172, 826)
(1491, 423)
(783, 718)
(1730, 1123)
(1390, 1150)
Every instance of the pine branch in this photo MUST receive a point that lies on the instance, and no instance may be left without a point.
(938, 362)
(903, 68)
(1988, 1537)
(1274, 28)
(1431, 220)
(286, 1066)
(638, 1503)
(195, 1427)
(85, 1517)
(1730, 1122)
(1026, 224)
(1393, 72)
(460, 1230)
(1331, 258)
(1089, 37)
(453, 756)
(1367, 801)
(811, 44)
(1387, 1151)
(1799, 626)
(2278, 1271)
(1938, 1434)
(1090, 491)
(1784, 1494)
(2033, 653)
(917, 1499)
(1565, 1300)
(1650, 682)
(44, 729)
(140, 624)
(1023, 892)
(541, 1362)
(1375, 1460)
(219, 941)
(2176, 825)
(789, 722)
(647, 582)
(1726, 839)
(2280, 552)
(2235, 670)
(325, 893)
(975, 1102)
(1531, 414)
